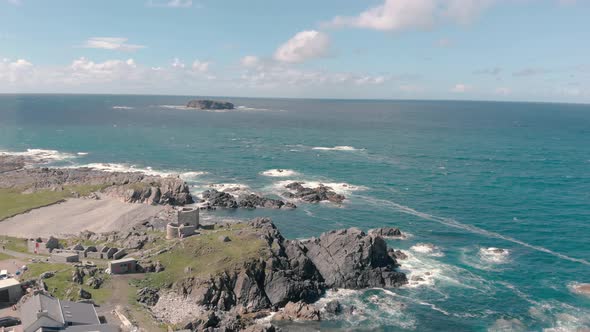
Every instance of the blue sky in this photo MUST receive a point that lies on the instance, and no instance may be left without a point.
(410, 49)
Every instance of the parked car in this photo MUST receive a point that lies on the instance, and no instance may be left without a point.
(9, 321)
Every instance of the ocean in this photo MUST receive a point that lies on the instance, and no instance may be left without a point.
(460, 178)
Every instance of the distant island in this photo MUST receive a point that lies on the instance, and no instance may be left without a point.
(204, 104)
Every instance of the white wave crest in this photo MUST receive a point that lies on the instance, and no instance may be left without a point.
(376, 310)
(279, 172)
(337, 148)
(127, 168)
(123, 107)
(494, 255)
(82, 153)
(428, 249)
(338, 187)
(41, 155)
(251, 109)
(175, 107)
(579, 288)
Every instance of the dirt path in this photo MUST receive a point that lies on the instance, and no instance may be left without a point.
(76, 215)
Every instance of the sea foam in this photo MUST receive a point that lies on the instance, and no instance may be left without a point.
(279, 172)
(336, 148)
(41, 155)
(494, 255)
(123, 107)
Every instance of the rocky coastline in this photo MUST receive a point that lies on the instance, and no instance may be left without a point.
(284, 281)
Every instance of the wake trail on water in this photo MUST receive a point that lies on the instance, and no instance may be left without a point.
(456, 224)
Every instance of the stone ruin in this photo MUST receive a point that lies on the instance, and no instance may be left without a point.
(187, 222)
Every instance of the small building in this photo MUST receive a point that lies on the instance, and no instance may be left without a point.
(10, 291)
(45, 313)
(187, 222)
(122, 266)
(65, 257)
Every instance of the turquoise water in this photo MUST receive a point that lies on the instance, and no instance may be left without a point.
(464, 176)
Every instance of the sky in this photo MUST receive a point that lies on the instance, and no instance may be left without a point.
(505, 50)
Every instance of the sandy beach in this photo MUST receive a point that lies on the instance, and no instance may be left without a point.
(76, 215)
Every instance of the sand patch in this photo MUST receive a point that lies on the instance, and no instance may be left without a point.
(76, 215)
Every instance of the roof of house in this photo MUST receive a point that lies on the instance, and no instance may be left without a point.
(93, 328)
(79, 313)
(55, 312)
(10, 282)
(124, 260)
(64, 254)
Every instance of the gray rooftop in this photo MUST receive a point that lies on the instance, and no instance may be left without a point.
(45, 311)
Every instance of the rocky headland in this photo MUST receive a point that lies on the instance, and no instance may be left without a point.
(205, 104)
(127, 187)
(213, 198)
(270, 276)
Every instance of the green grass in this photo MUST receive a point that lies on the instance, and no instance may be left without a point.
(4, 256)
(13, 201)
(61, 282)
(205, 254)
(14, 243)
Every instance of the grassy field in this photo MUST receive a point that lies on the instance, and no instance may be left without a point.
(4, 256)
(13, 201)
(205, 254)
(14, 243)
(61, 282)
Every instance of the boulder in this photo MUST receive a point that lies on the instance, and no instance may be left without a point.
(148, 296)
(95, 282)
(47, 275)
(385, 232)
(313, 195)
(298, 311)
(334, 307)
(78, 276)
(83, 294)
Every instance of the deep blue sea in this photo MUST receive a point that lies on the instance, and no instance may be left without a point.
(462, 176)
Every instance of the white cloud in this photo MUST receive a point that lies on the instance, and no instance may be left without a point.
(200, 66)
(177, 63)
(249, 61)
(171, 3)
(111, 43)
(460, 88)
(395, 15)
(303, 46)
(14, 71)
(502, 91)
(85, 70)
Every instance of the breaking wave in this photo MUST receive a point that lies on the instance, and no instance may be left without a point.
(337, 148)
(279, 172)
(41, 155)
(123, 107)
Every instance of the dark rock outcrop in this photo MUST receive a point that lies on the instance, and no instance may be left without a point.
(291, 274)
(223, 199)
(350, 258)
(204, 104)
(148, 296)
(313, 195)
(385, 232)
(334, 307)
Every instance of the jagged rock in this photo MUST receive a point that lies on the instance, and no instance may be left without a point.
(298, 311)
(220, 199)
(351, 259)
(253, 201)
(47, 275)
(385, 232)
(83, 294)
(397, 254)
(204, 104)
(334, 307)
(204, 322)
(223, 238)
(148, 296)
(159, 267)
(94, 282)
(78, 276)
(313, 195)
(134, 242)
